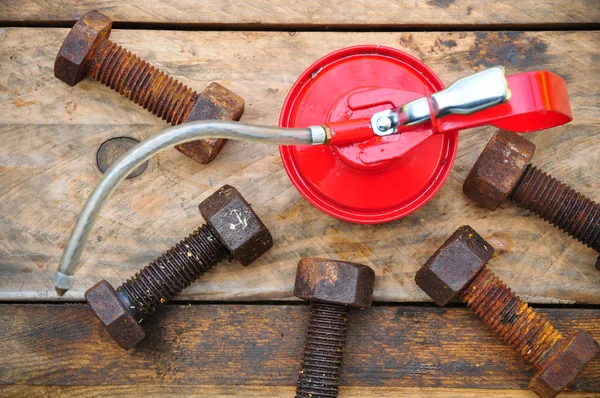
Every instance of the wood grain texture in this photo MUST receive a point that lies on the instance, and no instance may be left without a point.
(209, 391)
(292, 13)
(50, 133)
(259, 346)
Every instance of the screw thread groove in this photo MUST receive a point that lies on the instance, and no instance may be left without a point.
(323, 351)
(509, 316)
(173, 271)
(559, 205)
(142, 83)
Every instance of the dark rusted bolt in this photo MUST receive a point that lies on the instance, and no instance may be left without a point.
(457, 270)
(332, 287)
(232, 231)
(503, 170)
(87, 51)
(111, 150)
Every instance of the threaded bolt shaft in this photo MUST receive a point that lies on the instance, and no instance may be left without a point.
(141, 82)
(323, 351)
(172, 272)
(87, 51)
(509, 316)
(560, 205)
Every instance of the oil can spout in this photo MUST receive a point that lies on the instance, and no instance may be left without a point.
(63, 279)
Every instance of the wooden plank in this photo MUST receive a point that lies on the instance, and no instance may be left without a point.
(316, 13)
(50, 133)
(207, 391)
(260, 345)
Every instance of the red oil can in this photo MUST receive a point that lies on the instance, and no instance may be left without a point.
(379, 179)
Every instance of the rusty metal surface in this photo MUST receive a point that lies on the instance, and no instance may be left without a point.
(560, 205)
(72, 61)
(503, 170)
(321, 365)
(450, 269)
(141, 82)
(232, 230)
(215, 102)
(113, 315)
(509, 316)
(87, 50)
(557, 360)
(335, 282)
(173, 271)
(498, 169)
(333, 287)
(236, 225)
(565, 365)
(111, 150)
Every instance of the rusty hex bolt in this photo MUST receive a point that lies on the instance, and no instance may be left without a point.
(503, 170)
(332, 287)
(232, 230)
(457, 270)
(88, 51)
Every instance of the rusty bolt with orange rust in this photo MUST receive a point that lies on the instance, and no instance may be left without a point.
(332, 287)
(457, 270)
(87, 51)
(503, 170)
(232, 231)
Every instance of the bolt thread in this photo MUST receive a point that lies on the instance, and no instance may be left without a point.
(509, 316)
(560, 205)
(323, 351)
(173, 271)
(141, 82)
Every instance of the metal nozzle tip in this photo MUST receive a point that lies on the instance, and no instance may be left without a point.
(60, 292)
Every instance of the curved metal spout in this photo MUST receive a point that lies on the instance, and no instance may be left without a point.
(146, 149)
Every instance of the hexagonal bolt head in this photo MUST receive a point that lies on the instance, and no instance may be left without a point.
(117, 320)
(71, 62)
(498, 169)
(454, 265)
(335, 282)
(236, 225)
(215, 102)
(565, 366)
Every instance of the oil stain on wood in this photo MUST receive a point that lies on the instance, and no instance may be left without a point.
(521, 52)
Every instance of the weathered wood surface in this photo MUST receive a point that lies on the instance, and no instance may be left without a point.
(50, 133)
(290, 13)
(258, 347)
(210, 391)
(204, 391)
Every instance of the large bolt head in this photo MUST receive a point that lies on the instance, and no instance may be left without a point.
(498, 169)
(119, 323)
(71, 62)
(565, 366)
(236, 225)
(336, 282)
(454, 265)
(215, 102)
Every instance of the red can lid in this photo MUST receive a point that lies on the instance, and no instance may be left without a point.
(349, 182)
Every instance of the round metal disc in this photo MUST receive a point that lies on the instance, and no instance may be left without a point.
(110, 151)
